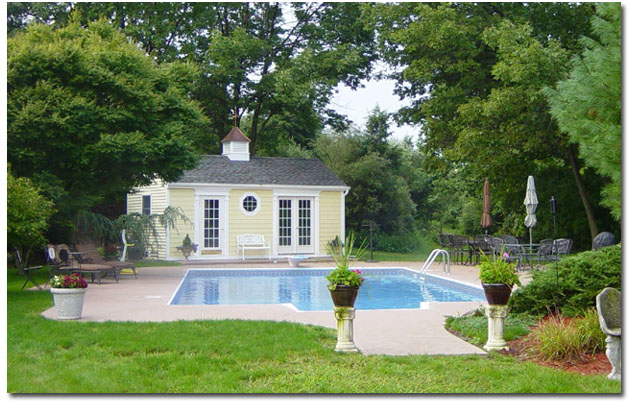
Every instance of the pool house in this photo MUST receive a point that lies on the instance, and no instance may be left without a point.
(294, 205)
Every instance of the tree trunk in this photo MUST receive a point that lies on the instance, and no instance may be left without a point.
(583, 193)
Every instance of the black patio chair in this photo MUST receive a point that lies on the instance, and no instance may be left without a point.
(459, 247)
(509, 239)
(60, 257)
(445, 241)
(516, 254)
(562, 246)
(26, 271)
(481, 247)
(543, 254)
(497, 246)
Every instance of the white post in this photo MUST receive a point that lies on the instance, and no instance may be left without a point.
(495, 339)
(345, 316)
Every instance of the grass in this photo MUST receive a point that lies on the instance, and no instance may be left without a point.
(420, 254)
(45, 356)
(474, 327)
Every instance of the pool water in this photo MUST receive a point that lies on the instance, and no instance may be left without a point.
(307, 289)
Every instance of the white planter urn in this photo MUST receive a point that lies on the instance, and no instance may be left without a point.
(68, 302)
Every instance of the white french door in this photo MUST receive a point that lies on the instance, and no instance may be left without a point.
(211, 226)
(295, 225)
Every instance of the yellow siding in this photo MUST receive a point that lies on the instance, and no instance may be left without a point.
(330, 222)
(181, 198)
(260, 223)
(158, 193)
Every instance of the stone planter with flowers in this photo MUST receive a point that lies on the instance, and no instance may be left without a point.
(68, 295)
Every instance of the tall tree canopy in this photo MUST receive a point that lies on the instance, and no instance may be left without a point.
(278, 63)
(474, 74)
(388, 184)
(90, 115)
(588, 104)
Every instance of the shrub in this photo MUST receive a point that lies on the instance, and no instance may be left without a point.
(580, 279)
(406, 242)
(560, 339)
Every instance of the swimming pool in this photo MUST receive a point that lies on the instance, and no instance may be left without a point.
(306, 289)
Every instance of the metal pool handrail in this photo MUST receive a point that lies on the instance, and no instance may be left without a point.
(446, 267)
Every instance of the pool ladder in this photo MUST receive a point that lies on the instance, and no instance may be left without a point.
(446, 268)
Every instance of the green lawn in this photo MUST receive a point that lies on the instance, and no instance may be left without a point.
(47, 356)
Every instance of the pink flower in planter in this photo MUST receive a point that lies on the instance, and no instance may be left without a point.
(505, 255)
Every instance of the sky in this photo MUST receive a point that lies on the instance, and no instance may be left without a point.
(356, 104)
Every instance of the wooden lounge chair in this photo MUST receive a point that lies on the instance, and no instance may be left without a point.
(65, 262)
(87, 253)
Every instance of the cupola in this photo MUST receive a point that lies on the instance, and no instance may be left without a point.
(236, 145)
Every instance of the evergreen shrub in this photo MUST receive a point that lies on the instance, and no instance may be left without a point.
(580, 279)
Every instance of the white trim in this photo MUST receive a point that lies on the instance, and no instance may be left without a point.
(221, 221)
(343, 197)
(167, 243)
(241, 203)
(227, 187)
(211, 190)
(316, 222)
(294, 193)
(225, 227)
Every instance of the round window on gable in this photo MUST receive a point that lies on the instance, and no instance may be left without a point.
(249, 204)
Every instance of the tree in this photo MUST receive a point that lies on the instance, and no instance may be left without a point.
(28, 213)
(90, 116)
(587, 105)
(377, 192)
(473, 73)
(278, 63)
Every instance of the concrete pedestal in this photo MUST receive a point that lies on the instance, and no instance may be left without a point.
(614, 345)
(345, 316)
(495, 339)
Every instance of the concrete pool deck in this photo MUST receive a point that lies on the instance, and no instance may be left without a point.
(388, 332)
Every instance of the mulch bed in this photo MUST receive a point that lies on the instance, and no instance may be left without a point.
(587, 365)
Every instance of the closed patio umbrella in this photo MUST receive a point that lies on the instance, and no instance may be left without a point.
(485, 222)
(531, 203)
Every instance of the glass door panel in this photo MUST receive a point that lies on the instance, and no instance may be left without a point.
(211, 224)
(304, 226)
(295, 226)
(285, 231)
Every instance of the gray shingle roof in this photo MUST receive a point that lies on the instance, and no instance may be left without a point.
(218, 169)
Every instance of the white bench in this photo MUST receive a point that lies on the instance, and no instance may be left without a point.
(250, 241)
